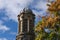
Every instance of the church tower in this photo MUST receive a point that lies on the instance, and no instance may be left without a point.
(26, 21)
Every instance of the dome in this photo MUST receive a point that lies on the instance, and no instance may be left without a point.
(27, 10)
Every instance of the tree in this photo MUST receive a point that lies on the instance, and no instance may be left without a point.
(49, 27)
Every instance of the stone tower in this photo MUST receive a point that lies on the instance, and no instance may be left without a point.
(26, 21)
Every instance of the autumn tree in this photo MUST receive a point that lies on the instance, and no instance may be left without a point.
(49, 27)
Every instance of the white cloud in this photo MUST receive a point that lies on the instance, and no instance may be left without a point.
(3, 27)
(1, 4)
(5, 18)
(13, 33)
(13, 7)
(3, 39)
(41, 5)
(1, 21)
(41, 13)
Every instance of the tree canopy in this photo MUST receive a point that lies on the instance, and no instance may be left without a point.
(49, 27)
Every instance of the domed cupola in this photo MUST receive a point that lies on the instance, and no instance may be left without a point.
(27, 10)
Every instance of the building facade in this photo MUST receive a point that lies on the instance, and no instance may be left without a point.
(26, 21)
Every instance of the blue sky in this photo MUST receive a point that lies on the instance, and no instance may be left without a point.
(9, 9)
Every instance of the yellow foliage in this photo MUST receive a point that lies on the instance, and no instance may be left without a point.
(49, 20)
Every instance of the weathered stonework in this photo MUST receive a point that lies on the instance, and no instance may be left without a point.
(26, 21)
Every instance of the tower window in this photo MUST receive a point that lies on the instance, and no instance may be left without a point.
(25, 25)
